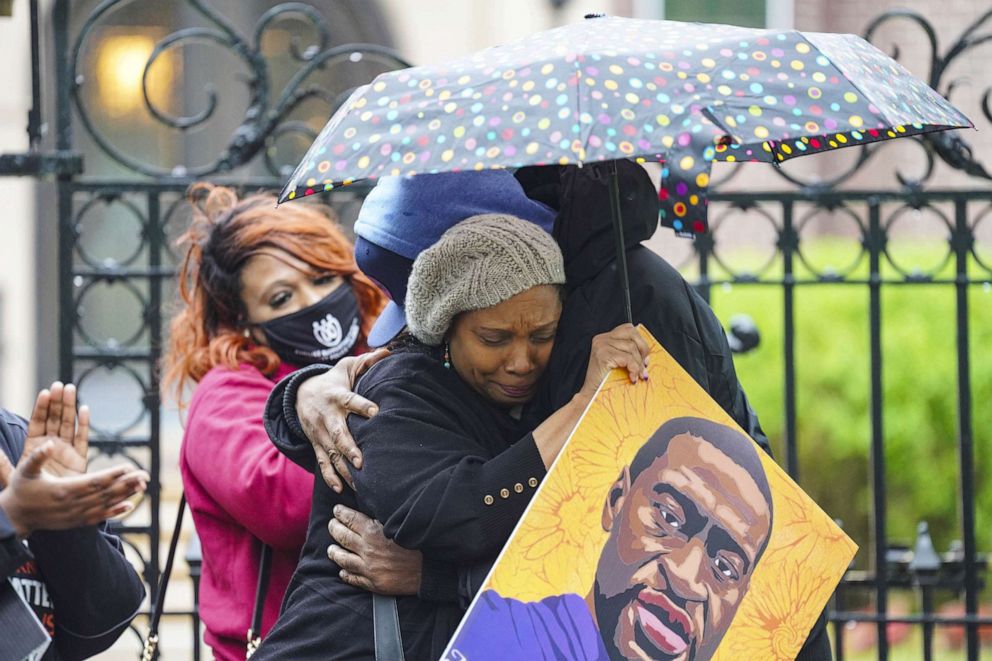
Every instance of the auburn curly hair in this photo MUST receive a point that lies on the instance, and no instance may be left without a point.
(224, 233)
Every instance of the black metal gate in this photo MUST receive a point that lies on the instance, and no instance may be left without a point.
(284, 70)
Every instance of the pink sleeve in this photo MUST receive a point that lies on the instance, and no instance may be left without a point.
(231, 456)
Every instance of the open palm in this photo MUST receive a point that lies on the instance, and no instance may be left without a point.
(54, 418)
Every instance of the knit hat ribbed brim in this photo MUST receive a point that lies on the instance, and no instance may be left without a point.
(480, 262)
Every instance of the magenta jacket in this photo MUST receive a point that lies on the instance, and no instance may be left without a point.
(240, 489)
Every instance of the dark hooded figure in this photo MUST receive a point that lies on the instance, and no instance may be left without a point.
(661, 299)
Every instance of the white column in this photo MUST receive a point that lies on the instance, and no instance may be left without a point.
(430, 31)
(18, 298)
(780, 14)
(651, 9)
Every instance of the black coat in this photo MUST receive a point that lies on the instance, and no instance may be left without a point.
(447, 474)
(92, 588)
(661, 299)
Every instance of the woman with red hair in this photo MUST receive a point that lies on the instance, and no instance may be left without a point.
(263, 292)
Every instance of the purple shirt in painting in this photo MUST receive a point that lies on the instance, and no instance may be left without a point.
(558, 627)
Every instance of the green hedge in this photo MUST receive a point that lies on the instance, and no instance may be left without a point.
(833, 395)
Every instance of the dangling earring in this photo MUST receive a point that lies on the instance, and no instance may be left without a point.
(246, 333)
(447, 356)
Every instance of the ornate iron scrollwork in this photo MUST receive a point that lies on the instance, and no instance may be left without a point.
(950, 146)
(268, 113)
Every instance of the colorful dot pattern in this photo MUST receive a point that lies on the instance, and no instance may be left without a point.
(686, 94)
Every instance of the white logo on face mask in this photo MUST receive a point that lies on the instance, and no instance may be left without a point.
(327, 331)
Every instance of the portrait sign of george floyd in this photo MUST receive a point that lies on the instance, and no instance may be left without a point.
(661, 532)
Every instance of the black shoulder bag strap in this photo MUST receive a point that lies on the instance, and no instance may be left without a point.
(150, 651)
(386, 628)
(261, 590)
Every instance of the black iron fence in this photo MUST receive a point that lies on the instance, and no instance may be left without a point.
(891, 568)
(118, 214)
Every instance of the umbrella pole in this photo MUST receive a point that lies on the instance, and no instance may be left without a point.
(618, 238)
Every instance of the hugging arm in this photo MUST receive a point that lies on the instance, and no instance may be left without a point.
(428, 483)
(282, 423)
(306, 413)
(369, 560)
(438, 488)
(306, 417)
(374, 563)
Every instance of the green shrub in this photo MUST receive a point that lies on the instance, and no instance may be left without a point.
(833, 395)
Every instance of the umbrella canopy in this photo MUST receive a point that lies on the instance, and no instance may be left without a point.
(687, 94)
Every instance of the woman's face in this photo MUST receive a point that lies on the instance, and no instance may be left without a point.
(275, 283)
(502, 351)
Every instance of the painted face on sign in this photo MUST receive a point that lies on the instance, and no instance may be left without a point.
(685, 534)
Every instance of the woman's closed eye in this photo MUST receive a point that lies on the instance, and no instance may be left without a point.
(493, 339)
(325, 279)
(280, 298)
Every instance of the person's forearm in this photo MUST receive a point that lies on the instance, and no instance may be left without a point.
(466, 532)
(462, 530)
(95, 589)
(550, 435)
(443, 582)
(283, 425)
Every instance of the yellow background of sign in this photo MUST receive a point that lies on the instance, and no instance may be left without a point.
(555, 547)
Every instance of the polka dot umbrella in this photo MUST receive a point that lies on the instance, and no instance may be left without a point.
(686, 94)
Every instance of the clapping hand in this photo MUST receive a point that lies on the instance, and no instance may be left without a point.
(54, 419)
(49, 488)
(35, 500)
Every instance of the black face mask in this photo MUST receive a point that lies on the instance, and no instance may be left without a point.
(321, 333)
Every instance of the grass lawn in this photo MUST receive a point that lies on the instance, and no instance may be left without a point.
(919, 377)
(911, 649)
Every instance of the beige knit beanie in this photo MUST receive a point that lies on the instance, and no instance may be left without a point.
(478, 263)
